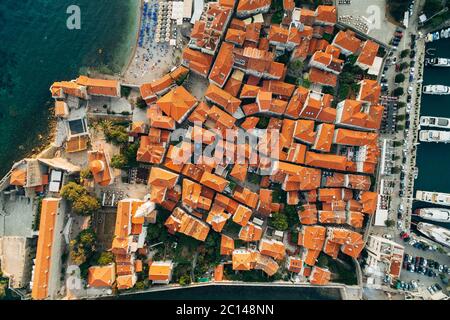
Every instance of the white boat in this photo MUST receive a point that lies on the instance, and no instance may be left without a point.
(436, 233)
(437, 62)
(434, 214)
(433, 197)
(437, 89)
(434, 136)
(446, 33)
(442, 34)
(435, 122)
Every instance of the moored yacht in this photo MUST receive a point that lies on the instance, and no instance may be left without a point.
(437, 62)
(433, 197)
(436, 89)
(434, 214)
(436, 233)
(434, 136)
(435, 122)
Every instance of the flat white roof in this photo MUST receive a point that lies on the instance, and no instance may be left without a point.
(198, 9)
(177, 10)
(376, 67)
(187, 9)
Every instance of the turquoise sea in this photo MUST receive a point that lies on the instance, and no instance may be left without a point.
(36, 49)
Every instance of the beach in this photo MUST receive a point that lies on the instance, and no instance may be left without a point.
(152, 60)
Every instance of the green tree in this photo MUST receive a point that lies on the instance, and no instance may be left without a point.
(86, 174)
(328, 90)
(184, 280)
(399, 78)
(389, 223)
(397, 92)
(141, 104)
(72, 191)
(279, 222)
(119, 161)
(432, 7)
(85, 205)
(77, 253)
(404, 53)
(87, 238)
(106, 257)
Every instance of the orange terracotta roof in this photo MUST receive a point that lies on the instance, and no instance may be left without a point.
(369, 91)
(304, 131)
(252, 5)
(197, 61)
(347, 40)
(279, 88)
(368, 53)
(58, 89)
(244, 259)
(369, 202)
(177, 103)
(242, 215)
(150, 90)
(312, 237)
(77, 144)
(235, 36)
(326, 14)
(355, 219)
(100, 86)
(324, 137)
(354, 138)
(99, 166)
(250, 232)
(226, 245)
(353, 245)
(125, 282)
(214, 182)
(217, 218)
(18, 177)
(249, 91)
(180, 221)
(218, 273)
(162, 178)
(233, 85)
(321, 77)
(308, 215)
(331, 248)
(222, 67)
(326, 161)
(355, 114)
(246, 197)
(310, 257)
(358, 182)
(319, 276)
(294, 264)
(266, 264)
(222, 98)
(288, 5)
(334, 217)
(49, 211)
(61, 109)
(160, 271)
(272, 248)
(101, 276)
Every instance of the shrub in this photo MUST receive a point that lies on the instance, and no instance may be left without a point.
(105, 258)
(85, 205)
(119, 161)
(399, 78)
(72, 191)
(279, 221)
(141, 104)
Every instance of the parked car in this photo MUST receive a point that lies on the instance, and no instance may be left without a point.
(414, 284)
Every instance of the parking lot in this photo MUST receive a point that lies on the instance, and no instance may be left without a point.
(431, 275)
